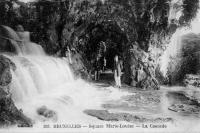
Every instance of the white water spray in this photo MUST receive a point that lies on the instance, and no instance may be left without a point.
(41, 80)
(175, 44)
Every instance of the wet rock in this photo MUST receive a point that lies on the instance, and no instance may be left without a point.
(182, 97)
(5, 70)
(102, 115)
(9, 114)
(47, 113)
(194, 95)
(192, 80)
(107, 116)
(185, 108)
(80, 67)
(186, 102)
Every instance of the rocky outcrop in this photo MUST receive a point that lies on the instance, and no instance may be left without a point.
(47, 113)
(79, 68)
(186, 102)
(6, 65)
(184, 108)
(9, 114)
(107, 116)
(192, 80)
(140, 70)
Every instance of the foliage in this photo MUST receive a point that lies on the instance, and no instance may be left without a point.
(141, 20)
(82, 24)
(190, 10)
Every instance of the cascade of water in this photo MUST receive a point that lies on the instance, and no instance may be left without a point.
(20, 42)
(48, 81)
(42, 80)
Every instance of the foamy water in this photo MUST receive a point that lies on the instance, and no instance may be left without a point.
(42, 80)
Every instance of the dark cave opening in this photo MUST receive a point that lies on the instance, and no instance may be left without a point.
(111, 34)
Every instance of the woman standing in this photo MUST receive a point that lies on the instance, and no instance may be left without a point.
(117, 71)
(97, 68)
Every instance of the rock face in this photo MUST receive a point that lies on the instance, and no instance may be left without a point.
(9, 114)
(140, 70)
(79, 67)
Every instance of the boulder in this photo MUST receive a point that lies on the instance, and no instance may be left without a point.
(186, 102)
(5, 70)
(192, 80)
(9, 113)
(47, 113)
(185, 108)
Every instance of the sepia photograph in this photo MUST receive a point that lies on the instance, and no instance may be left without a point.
(99, 66)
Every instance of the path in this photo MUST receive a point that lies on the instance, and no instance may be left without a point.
(107, 80)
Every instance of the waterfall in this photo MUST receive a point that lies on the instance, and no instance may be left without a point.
(47, 81)
(41, 80)
(19, 41)
(175, 43)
